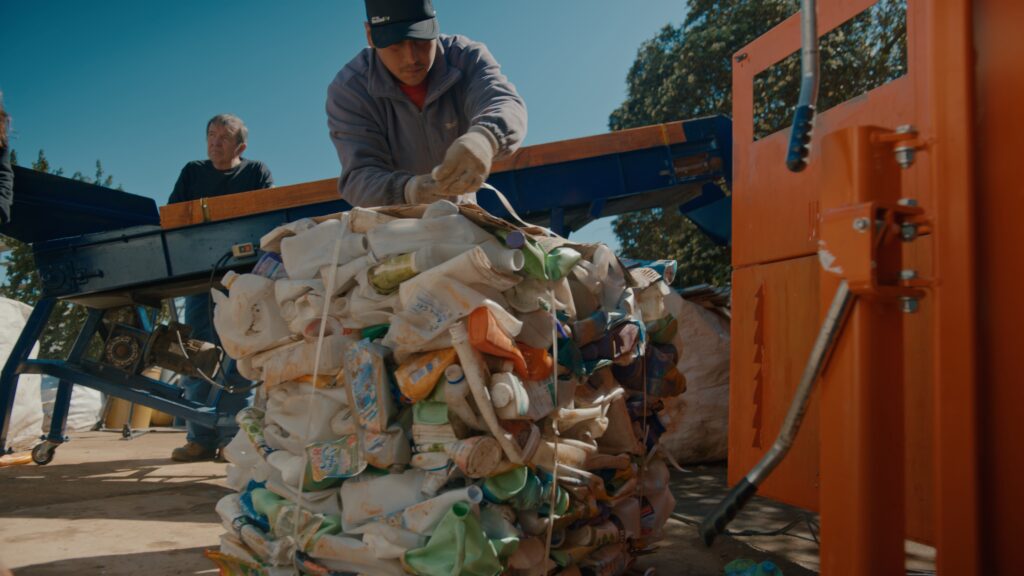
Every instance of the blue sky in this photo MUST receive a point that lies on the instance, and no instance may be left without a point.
(133, 82)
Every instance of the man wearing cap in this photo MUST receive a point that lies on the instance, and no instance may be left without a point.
(419, 116)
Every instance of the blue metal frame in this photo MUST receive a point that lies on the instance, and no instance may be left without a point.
(568, 195)
(143, 264)
(71, 208)
(62, 404)
(146, 391)
(711, 212)
(125, 264)
(22, 348)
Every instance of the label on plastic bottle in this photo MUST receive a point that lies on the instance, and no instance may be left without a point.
(342, 458)
(369, 384)
(270, 266)
(251, 420)
(417, 378)
(387, 276)
(431, 312)
(477, 457)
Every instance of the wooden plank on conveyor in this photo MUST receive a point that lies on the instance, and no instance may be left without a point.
(232, 206)
(592, 146)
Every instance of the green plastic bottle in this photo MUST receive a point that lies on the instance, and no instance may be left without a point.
(457, 547)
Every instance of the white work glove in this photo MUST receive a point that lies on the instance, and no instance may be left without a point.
(422, 189)
(467, 163)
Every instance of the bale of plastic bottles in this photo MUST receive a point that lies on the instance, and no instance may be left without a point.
(445, 392)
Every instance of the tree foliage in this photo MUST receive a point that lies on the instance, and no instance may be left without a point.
(23, 283)
(657, 234)
(685, 72)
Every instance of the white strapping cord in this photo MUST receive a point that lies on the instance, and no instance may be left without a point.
(553, 499)
(512, 211)
(643, 443)
(328, 293)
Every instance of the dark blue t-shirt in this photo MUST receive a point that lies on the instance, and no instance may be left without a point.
(199, 179)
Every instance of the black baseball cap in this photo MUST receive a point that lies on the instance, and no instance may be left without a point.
(392, 21)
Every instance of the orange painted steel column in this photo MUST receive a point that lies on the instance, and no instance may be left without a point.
(1000, 254)
(957, 497)
(861, 443)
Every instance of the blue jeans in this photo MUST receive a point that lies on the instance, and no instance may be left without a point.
(198, 315)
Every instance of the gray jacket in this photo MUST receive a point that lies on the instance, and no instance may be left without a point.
(383, 139)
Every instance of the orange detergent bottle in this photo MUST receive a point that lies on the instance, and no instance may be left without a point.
(487, 336)
(539, 364)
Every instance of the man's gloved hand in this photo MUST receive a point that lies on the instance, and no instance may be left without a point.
(422, 189)
(467, 163)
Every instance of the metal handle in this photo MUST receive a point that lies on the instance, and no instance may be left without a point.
(715, 523)
(800, 138)
(803, 118)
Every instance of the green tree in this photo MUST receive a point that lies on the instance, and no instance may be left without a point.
(23, 283)
(685, 72)
(664, 233)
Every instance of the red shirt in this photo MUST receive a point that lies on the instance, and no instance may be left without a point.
(417, 94)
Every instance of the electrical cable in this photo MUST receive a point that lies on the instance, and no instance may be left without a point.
(225, 387)
(210, 379)
(209, 285)
(783, 531)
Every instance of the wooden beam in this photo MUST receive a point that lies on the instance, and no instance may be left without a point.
(246, 203)
(591, 146)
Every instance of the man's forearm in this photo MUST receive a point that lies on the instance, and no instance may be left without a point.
(370, 186)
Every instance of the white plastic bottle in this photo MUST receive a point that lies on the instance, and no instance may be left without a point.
(423, 517)
(410, 234)
(365, 499)
(307, 252)
(351, 555)
(248, 321)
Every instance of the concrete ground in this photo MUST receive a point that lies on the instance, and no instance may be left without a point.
(121, 507)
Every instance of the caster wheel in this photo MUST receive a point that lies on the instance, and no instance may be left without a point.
(42, 454)
(126, 432)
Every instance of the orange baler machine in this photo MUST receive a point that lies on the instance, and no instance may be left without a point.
(911, 430)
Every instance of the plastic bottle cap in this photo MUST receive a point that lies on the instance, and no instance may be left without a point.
(454, 374)
(229, 278)
(515, 239)
(501, 394)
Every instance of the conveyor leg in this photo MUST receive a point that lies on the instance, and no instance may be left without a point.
(22, 348)
(43, 452)
(61, 408)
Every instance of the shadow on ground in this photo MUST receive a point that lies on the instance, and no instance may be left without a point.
(697, 490)
(106, 506)
(31, 491)
(764, 530)
(171, 562)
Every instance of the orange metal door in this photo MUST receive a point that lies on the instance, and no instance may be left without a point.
(774, 322)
